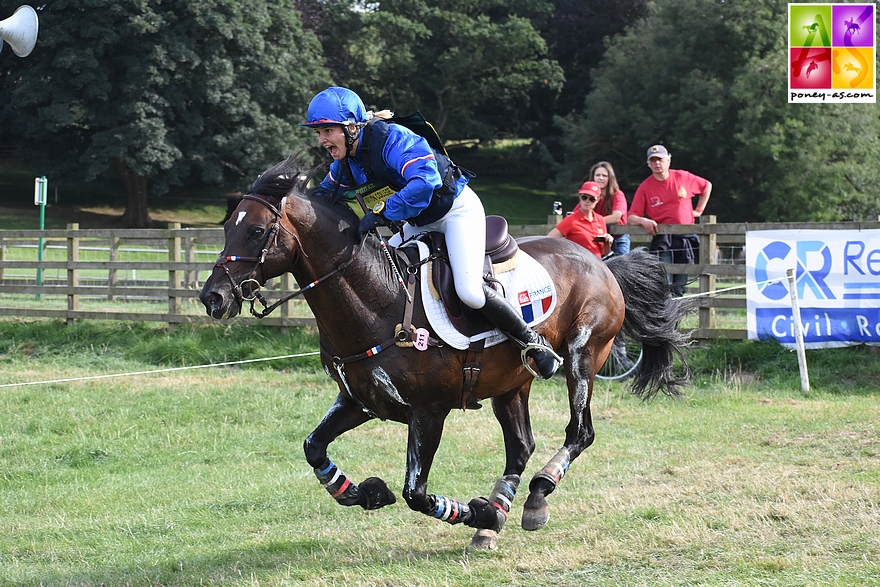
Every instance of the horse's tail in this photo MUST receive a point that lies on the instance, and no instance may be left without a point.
(652, 318)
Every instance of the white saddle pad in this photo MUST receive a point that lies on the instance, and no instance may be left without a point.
(528, 287)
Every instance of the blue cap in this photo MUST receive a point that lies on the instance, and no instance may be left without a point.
(335, 106)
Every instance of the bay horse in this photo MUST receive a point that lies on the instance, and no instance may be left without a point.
(357, 301)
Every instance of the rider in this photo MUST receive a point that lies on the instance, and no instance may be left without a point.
(338, 116)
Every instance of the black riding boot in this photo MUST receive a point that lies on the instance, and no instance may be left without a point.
(506, 319)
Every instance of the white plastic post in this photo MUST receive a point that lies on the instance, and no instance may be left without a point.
(798, 331)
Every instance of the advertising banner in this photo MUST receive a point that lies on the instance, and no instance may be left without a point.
(837, 279)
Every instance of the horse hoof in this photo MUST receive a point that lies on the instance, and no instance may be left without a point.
(375, 494)
(536, 512)
(484, 540)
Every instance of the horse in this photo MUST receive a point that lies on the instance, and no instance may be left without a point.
(852, 26)
(851, 67)
(357, 301)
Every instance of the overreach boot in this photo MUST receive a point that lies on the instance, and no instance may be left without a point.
(506, 319)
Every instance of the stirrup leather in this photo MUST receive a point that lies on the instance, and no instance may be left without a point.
(539, 347)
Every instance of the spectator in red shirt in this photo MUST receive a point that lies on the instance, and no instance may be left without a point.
(585, 226)
(666, 198)
(613, 203)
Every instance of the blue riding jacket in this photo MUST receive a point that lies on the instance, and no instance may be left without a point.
(409, 161)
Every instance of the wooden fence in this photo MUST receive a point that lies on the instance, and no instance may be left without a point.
(173, 263)
(94, 274)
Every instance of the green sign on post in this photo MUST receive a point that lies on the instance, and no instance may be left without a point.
(40, 184)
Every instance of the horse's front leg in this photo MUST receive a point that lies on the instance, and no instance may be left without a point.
(512, 412)
(425, 430)
(343, 416)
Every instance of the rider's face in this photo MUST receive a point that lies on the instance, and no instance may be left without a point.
(332, 138)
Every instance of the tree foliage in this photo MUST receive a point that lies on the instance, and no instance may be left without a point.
(707, 79)
(167, 91)
(163, 90)
(577, 32)
(472, 66)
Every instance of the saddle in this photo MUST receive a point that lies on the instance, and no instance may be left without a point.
(500, 247)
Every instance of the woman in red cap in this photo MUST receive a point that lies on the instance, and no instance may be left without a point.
(585, 226)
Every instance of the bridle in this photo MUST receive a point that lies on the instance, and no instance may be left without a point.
(270, 242)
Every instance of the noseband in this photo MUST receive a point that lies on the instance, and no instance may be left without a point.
(271, 241)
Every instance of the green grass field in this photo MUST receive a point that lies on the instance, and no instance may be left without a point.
(196, 477)
(124, 465)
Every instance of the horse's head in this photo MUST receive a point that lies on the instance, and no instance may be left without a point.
(260, 243)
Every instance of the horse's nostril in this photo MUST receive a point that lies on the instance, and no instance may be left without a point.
(213, 304)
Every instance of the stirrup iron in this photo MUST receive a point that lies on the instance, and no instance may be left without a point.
(540, 347)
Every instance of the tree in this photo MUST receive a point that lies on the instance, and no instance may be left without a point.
(577, 33)
(471, 66)
(162, 90)
(715, 97)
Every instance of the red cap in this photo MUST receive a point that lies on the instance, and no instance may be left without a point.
(591, 187)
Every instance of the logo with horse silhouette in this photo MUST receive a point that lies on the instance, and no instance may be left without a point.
(832, 53)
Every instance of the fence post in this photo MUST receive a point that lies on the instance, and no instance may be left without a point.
(174, 275)
(192, 276)
(2, 256)
(113, 277)
(72, 271)
(708, 244)
(287, 285)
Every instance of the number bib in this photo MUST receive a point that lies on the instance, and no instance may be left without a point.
(371, 193)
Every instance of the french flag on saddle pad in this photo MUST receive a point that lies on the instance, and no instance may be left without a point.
(535, 304)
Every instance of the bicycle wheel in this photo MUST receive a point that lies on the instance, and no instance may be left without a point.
(625, 356)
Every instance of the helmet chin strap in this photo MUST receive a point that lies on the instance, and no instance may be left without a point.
(349, 138)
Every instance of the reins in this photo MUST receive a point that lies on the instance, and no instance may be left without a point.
(271, 241)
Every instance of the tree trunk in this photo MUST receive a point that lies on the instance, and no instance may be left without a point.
(137, 214)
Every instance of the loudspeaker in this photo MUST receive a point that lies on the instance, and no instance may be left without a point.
(20, 31)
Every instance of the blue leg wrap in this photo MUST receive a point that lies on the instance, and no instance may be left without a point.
(337, 484)
(449, 510)
(502, 498)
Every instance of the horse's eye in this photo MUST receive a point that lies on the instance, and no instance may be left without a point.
(257, 232)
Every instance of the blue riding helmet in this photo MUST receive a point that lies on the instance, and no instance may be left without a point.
(336, 106)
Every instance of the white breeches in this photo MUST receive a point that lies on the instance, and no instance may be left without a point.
(464, 227)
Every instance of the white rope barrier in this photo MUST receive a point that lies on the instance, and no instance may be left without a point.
(170, 369)
(717, 291)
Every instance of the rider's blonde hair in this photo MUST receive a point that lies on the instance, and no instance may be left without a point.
(383, 114)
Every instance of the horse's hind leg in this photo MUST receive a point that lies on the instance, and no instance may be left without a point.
(342, 416)
(579, 435)
(512, 412)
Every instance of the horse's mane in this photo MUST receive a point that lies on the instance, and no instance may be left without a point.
(281, 179)
(293, 176)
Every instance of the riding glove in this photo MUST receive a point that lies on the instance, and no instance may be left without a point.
(370, 221)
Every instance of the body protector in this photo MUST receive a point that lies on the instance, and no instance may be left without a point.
(374, 173)
(372, 145)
